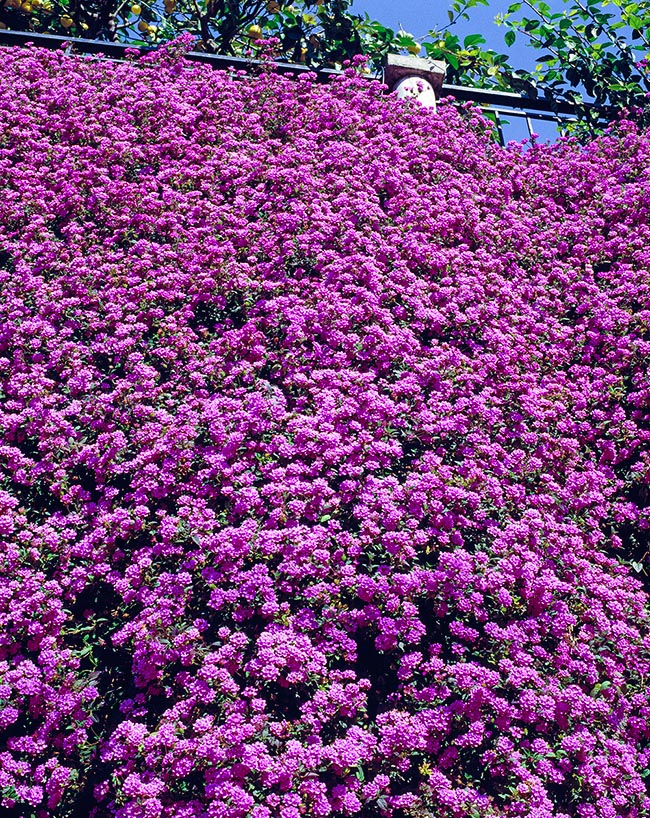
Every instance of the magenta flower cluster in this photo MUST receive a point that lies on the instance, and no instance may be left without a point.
(324, 453)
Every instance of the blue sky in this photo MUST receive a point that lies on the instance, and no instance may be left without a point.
(419, 16)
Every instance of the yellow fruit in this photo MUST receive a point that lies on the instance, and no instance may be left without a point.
(153, 30)
(26, 7)
(414, 49)
(66, 21)
(254, 32)
(136, 9)
(143, 26)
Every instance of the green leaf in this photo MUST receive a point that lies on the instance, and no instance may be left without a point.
(452, 60)
(510, 38)
(473, 39)
(378, 28)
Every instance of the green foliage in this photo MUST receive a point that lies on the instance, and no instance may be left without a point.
(468, 63)
(316, 32)
(595, 56)
(596, 49)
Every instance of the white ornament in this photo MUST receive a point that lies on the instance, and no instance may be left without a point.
(416, 88)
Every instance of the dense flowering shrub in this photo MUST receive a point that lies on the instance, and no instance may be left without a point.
(324, 453)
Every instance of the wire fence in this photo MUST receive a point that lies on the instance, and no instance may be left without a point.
(501, 107)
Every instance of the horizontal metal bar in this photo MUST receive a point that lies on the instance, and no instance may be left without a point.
(116, 51)
(541, 115)
(486, 96)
